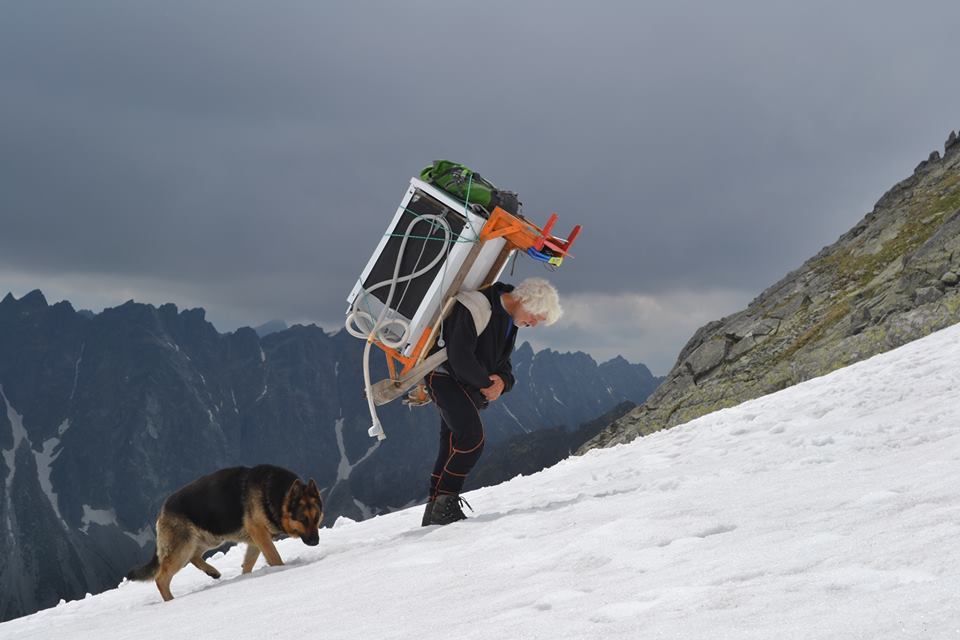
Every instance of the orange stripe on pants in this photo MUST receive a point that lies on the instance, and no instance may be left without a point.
(461, 435)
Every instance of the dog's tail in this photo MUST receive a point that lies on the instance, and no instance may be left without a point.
(148, 571)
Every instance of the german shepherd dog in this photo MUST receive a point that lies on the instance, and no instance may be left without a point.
(240, 504)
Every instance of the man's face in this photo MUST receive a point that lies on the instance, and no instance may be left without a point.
(523, 318)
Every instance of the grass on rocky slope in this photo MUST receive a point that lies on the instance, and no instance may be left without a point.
(852, 273)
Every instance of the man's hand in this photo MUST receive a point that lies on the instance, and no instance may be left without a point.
(493, 392)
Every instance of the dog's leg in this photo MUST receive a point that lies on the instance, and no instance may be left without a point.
(204, 566)
(170, 564)
(250, 557)
(261, 537)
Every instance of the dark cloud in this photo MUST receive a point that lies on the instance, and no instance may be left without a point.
(246, 156)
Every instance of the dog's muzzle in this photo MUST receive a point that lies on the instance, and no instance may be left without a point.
(311, 540)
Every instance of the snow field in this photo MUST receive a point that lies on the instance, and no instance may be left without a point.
(828, 510)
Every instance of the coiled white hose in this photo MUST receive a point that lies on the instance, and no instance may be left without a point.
(361, 324)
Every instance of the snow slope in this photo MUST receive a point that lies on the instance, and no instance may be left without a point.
(828, 510)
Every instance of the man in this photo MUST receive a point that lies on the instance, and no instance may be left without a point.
(476, 373)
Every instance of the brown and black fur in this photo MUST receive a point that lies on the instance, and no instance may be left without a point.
(240, 504)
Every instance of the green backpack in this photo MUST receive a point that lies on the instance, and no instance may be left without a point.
(468, 186)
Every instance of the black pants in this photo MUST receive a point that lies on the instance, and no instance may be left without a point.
(461, 433)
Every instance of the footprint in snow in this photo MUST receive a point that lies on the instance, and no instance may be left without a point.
(619, 611)
(551, 600)
(706, 533)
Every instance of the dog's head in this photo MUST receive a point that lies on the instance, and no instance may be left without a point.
(303, 511)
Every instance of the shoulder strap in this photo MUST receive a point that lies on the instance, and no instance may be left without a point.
(479, 307)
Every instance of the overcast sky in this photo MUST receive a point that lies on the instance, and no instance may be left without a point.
(245, 157)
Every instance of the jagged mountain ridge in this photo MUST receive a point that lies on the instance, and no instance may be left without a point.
(102, 415)
(889, 280)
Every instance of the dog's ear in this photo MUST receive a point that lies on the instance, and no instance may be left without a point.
(312, 489)
(296, 490)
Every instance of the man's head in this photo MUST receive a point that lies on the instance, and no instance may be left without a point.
(536, 301)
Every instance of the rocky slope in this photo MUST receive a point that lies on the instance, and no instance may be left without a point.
(891, 279)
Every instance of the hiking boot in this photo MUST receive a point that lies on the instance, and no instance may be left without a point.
(446, 509)
(428, 510)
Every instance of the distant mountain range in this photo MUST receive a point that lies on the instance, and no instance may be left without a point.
(103, 415)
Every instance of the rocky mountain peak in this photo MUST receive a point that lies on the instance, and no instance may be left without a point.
(272, 326)
(33, 301)
(524, 350)
(951, 145)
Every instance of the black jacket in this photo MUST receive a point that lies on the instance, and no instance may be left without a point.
(472, 359)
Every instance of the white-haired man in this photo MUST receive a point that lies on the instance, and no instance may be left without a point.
(476, 373)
